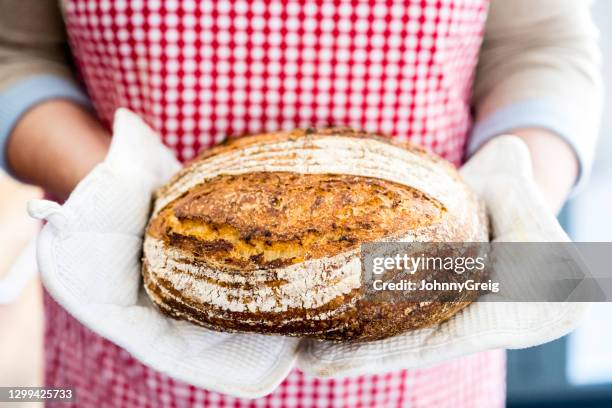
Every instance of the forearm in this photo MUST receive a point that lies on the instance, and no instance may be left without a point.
(45, 137)
(55, 144)
(555, 167)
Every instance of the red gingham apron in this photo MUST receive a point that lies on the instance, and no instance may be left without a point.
(198, 71)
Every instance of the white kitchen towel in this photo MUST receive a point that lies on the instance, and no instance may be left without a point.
(89, 258)
(501, 175)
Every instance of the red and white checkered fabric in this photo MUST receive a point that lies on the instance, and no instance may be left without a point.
(198, 71)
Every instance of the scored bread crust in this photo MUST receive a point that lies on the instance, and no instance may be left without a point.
(263, 233)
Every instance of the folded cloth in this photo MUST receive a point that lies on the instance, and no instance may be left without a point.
(89, 258)
(501, 175)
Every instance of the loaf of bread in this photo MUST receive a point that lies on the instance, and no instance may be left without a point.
(263, 233)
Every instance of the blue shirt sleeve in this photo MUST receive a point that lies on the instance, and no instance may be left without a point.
(535, 114)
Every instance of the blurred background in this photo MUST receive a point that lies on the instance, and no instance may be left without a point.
(575, 371)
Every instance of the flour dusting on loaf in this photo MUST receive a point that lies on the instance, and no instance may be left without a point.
(263, 233)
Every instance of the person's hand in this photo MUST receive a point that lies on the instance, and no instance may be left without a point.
(55, 144)
(89, 257)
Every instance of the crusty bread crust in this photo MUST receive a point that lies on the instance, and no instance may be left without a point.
(277, 252)
(273, 219)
